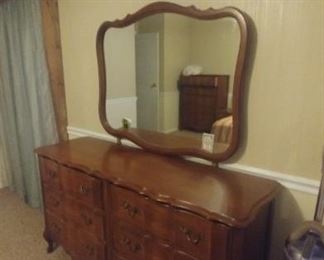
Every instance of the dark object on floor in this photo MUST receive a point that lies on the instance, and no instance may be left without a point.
(307, 241)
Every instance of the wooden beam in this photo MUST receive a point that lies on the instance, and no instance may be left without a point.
(52, 44)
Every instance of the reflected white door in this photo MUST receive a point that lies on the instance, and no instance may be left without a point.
(147, 80)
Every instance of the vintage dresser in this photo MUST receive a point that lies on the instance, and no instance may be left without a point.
(105, 200)
(108, 201)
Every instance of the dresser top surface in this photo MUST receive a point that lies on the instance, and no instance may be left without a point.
(229, 197)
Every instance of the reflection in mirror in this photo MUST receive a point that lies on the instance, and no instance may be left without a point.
(173, 74)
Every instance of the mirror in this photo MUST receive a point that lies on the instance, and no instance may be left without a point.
(170, 79)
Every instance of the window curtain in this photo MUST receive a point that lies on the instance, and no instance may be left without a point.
(27, 117)
(3, 161)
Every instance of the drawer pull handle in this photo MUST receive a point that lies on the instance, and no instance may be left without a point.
(87, 220)
(84, 189)
(132, 210)
(90, 250)
(191, 237)
(133, 247)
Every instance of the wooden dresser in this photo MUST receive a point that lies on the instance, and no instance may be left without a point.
(203, 100)
(107, 201)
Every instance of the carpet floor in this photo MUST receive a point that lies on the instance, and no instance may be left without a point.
(21, 231)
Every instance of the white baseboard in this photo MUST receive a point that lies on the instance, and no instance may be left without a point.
(296, 183)
(289, 181)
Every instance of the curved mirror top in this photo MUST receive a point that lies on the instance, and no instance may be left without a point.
(170, 81)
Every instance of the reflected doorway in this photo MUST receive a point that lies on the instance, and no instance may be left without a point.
(147, 80)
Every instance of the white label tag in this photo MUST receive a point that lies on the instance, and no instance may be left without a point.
(207, 142)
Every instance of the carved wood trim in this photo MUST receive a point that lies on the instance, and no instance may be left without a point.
(52, 45)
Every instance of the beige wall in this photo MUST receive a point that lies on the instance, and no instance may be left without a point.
(176, 49)
(175, 57)
(119, 52)
(285, 98)
(284, 128)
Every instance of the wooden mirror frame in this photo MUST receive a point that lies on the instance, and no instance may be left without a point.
(136, 135)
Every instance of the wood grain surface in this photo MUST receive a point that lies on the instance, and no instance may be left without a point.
(213, 193)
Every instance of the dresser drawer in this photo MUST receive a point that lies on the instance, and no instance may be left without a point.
(129, 206)
(50, 173)
(136, 209)
(160, 220)
(82, 187)
(82, 246)
(129, 242)
(85, 218)
(193, 234)
(54, 202)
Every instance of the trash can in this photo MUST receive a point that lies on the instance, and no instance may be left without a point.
(306, 243)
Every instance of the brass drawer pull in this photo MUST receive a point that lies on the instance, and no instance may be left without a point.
(191, 237)
(84, 189)
(133, 247)
(132, 210)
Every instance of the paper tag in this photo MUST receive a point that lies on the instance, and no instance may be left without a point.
(207, 142)
(126, 122)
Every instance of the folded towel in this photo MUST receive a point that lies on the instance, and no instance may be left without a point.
(192, 70)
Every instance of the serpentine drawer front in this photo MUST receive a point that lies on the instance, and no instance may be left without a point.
(140, 219)
(103, 202)
(82, 187)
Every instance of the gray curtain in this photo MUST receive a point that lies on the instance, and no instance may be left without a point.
(26, 111)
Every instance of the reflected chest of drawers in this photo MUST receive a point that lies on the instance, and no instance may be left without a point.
(106, 201)
(202, 100)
